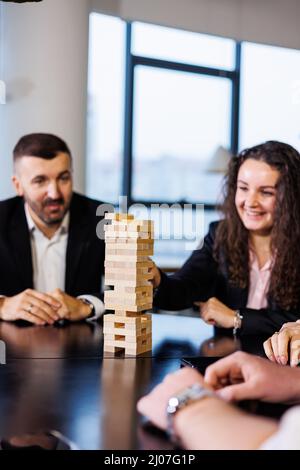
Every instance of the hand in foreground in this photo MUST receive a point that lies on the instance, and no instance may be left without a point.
(32, 306)
(242, 376)
(71, 308)
(204, 424)
(214, 312)
(154, 404)
(285, 344)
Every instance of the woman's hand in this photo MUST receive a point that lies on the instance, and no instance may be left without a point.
(285, 344)
(216, 313)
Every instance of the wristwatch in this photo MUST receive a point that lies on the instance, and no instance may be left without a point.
(189, 395)
(92, 307)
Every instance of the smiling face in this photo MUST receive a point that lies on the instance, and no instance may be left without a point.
(256, 195)
(46, 185)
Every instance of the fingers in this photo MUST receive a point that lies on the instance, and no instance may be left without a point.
(205, 312)
(24, 315)
(283, 339)
(295, 351)
(40, 308)
(156, 279)
(274, 345)
(225, 370)
(48, 299)
(238, 392)
(268, 350)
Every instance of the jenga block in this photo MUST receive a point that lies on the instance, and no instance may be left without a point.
(110, 319)
(135, 298)
(129, 241)
(132, 308)
(131, 273)
(125, 234)
(127, 283)
(127, 256)
(137, 277)
(121, 341)
(118, 216)
(129, 228)
(111, 349)
(128, 264)
(138, 348)
(126, 334)
(125, 313)
(124, 297)
(131, 254)
(144, 290)
(129, 330)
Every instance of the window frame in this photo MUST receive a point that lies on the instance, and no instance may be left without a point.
(131, 62)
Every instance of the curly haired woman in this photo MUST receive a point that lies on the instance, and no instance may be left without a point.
(246, 276)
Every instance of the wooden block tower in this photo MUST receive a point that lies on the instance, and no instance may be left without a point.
(128, 244)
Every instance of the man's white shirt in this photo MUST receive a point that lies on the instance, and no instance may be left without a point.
(49, 260)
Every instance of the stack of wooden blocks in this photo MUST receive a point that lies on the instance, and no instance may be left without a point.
(128, 244)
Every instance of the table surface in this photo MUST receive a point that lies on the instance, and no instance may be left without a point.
(57, 377)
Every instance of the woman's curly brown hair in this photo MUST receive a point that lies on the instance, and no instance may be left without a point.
(232, 240)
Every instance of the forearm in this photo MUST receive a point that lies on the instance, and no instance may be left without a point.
(205, 425)
(2, 299)
(265, 321)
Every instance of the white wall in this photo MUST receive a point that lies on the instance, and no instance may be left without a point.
(268, 21)
(45, 68)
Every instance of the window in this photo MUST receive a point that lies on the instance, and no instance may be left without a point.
(158, 111)
(179, 120)
(270, 95)
(105, 118)
(182, 46)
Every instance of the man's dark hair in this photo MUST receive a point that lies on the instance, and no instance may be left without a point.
(40, 145)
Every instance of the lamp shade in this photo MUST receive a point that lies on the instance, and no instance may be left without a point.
(219, 161)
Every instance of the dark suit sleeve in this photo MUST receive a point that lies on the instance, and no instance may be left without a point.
(265, 321)
(192, 282)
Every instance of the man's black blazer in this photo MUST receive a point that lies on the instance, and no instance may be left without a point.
(85, 252)
(201, 278)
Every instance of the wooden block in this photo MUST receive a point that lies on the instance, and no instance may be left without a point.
(119, 296)
(126, 335)
(129, 241)
(126, 303)
(138, 320)
(127, 283)
(146, 290)
(127, 256)
(123, 297)
(121, 340)
(126, 234)
(132, 255)
(129, 330)
(112, 349)
(133, 308)
(124, 313)
(118, 216)
(138, 348)
(128, 279)
(128, 264)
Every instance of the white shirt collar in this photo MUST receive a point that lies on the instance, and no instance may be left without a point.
(63, 228)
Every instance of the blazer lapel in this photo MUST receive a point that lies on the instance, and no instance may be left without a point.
(77, 239)
(21, 246)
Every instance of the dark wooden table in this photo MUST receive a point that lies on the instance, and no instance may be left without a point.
(57, 377)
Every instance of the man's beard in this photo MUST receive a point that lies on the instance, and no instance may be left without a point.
(38, 209)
